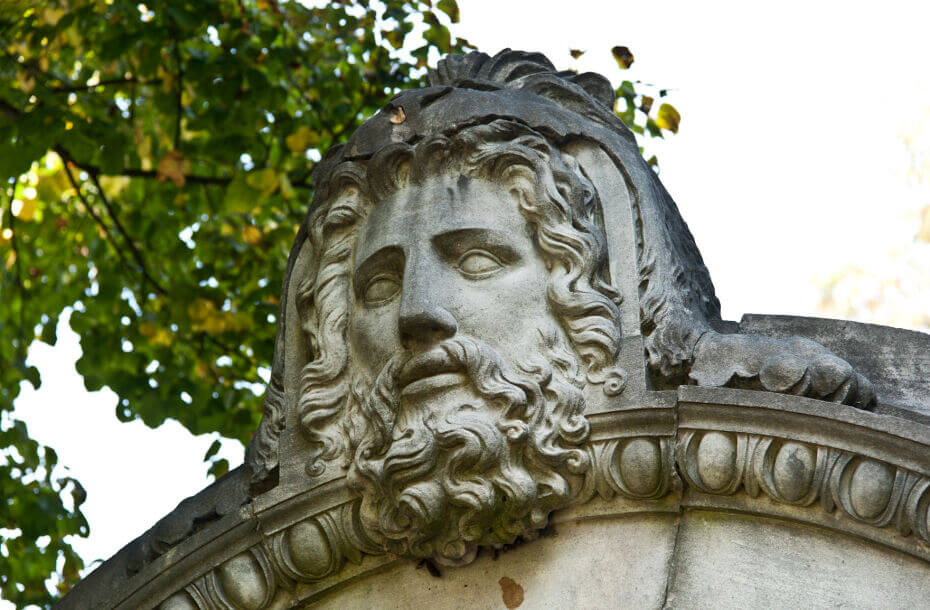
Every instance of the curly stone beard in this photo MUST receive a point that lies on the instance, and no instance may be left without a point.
(478, 468)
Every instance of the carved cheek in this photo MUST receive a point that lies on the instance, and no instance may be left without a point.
(507, 311)
(373, 337)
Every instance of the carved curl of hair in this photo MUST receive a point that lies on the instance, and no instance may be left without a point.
(552, 194)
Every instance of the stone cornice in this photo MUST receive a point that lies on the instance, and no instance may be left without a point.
(758, 453)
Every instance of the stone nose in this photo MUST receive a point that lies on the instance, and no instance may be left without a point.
(426, 327)
(423, 320)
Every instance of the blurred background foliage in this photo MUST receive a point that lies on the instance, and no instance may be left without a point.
(893, 289)
(155, 164)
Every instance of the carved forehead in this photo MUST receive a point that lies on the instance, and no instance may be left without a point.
(439, 205)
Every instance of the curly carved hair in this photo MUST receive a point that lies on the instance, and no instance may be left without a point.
(552, 193)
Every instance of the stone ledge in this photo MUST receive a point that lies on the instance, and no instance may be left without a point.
(733, 451)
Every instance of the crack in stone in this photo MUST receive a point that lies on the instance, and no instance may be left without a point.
(670, 567)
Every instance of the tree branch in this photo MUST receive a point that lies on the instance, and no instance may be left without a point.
(9, 111)
(12, 113)
(21, 288)
(103, 83)
(129, 241)
(93, 170)
(90, 210)
(179, 106)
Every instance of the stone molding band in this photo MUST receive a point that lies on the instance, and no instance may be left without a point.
(757, 453)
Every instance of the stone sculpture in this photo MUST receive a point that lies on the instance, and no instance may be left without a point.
(460, 307)
(494, 311)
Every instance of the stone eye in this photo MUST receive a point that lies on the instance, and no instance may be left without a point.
(381, 288)
(479, 263)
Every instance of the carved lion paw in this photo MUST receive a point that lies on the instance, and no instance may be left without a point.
(788, 366)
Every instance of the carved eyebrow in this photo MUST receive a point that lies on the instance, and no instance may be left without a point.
(458, 241)
(387, 257)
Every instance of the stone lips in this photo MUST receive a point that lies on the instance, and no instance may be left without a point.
(429, 371)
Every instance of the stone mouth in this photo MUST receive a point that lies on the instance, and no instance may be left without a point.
(428, 371)
(433, 383)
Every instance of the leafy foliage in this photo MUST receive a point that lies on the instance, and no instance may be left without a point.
(155, 162)
(158, 159)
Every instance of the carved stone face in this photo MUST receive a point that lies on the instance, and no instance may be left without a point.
(457, 316)
(451, 319)
(451, 257)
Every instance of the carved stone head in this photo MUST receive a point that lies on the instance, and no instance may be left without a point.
(460, 306)
(485, 262)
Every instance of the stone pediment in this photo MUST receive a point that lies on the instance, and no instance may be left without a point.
(501, 378)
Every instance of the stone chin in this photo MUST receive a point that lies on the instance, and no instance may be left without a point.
(479, 463)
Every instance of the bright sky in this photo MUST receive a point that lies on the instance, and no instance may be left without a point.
(788, 166)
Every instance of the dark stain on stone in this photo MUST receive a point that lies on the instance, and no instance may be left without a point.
(546, 532)
(431, 567)
(511, 592)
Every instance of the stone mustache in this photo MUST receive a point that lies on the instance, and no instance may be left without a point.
(485, 262)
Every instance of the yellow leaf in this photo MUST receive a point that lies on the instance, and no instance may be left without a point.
(52, 185)
(155, 334)
(668, 118)
(201, 370)
(114, 185)
(200, 309)
(287, 191)
(216, 322)
(26, 211)
(162, 337)
(143, 142)
(49, 16)
(173, 166)
(26, 83)
(302, 139)
(623, 56)
(923, 233)
(264, 180)
(251, 235)
(226, 230)
(167, 79)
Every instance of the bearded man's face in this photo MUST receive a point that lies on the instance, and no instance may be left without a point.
(467, 402)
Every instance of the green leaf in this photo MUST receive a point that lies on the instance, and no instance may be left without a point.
(214, 448)
(240, 196)
(450, 8)
(218, 468)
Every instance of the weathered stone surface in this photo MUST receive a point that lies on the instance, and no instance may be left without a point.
(734, 561)
(495, 324)
(897, 361)
(629, 558)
